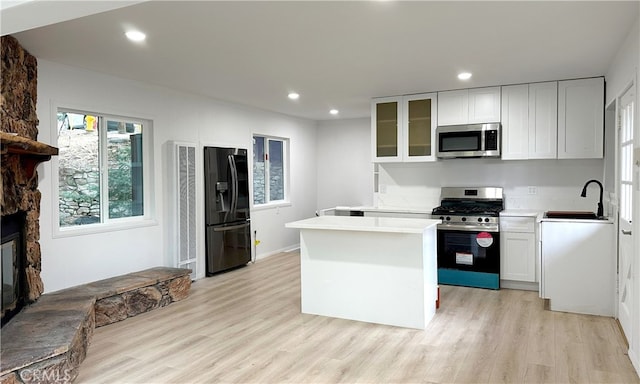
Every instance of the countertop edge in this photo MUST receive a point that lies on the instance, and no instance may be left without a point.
(520, 213)
(382, 209)
(604, 221)
(347, 225)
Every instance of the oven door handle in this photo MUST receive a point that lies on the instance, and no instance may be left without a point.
(471, 227)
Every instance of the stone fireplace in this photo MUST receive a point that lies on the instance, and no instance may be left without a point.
(12, 257)
(20, 153)
(48, 339)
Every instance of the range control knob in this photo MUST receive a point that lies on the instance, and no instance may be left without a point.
(464, 219)
(448, 218)
(479, 219)
(441, 217)
(486, 220)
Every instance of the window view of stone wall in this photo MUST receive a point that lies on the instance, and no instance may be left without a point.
(80, 191)
(273, 150)
(79, 177)
(258, 182)
(276, 182)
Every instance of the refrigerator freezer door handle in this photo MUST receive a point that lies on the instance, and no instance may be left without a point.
(234, 184)
(230, 227)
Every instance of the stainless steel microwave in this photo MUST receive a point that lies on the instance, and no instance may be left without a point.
(472, 140)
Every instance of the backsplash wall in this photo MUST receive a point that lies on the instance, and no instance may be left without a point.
(555, 184)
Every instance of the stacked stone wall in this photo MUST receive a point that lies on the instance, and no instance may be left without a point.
(18, 116)
(78, 177)
(19, 90)
(276, 186)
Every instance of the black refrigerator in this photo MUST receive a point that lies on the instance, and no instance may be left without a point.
(227, 219)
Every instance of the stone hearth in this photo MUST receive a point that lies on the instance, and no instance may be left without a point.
(47, 341)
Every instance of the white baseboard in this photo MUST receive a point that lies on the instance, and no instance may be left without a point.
(281, 250)
(521, 285)
(635, 360)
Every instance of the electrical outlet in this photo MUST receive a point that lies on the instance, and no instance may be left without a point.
(532, 190)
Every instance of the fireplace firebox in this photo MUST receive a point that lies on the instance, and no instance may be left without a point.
(14, 288)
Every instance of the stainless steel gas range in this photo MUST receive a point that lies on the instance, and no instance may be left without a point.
(469, 236)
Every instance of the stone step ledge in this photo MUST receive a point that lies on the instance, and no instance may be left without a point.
(47, 341)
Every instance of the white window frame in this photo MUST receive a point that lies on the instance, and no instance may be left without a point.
(285, 163)
(626, 160)
(106, 224)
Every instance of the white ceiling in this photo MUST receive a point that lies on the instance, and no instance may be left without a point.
(336, 54)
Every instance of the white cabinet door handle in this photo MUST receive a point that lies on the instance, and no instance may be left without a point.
(626, 232)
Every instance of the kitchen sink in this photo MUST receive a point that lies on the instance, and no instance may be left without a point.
(585, 215)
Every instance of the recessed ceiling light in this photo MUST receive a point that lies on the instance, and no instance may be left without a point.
(136, 36)
(294, 96)
(334, 111)
(464, 76)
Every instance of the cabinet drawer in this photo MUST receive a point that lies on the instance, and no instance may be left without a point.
(517, 224)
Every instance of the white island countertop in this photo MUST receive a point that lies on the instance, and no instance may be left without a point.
(365, 224)
(376, 269)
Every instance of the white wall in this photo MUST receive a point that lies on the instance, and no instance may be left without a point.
(558, 183)
(634, 344)
(69, 261)
(634, 347)
(623, 66)
(345, 171)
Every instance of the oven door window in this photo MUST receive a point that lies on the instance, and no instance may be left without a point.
(460, 141)
(469, 251)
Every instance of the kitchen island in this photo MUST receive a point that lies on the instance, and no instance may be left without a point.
(372, 269)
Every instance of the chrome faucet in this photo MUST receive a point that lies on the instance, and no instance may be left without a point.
(584, 194)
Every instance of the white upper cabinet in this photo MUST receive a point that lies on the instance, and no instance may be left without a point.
(484, 105)
(453, 107)
(419, 122)
(543, 120)
(581, 119)
(469, 106)
(529, 121)
(386, 132)
(403, 128)
(515, 122)
(550, 120)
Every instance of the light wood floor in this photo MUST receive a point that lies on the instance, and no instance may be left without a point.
(245, 326)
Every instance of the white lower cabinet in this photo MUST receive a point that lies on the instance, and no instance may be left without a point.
(518, 249)
(579, 266)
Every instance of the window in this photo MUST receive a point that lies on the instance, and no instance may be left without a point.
(626, 156)
(269, 170)
(100, 168)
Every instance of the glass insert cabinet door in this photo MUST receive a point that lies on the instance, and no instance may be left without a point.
(387, 114)
(420, 125)
(404, 128)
